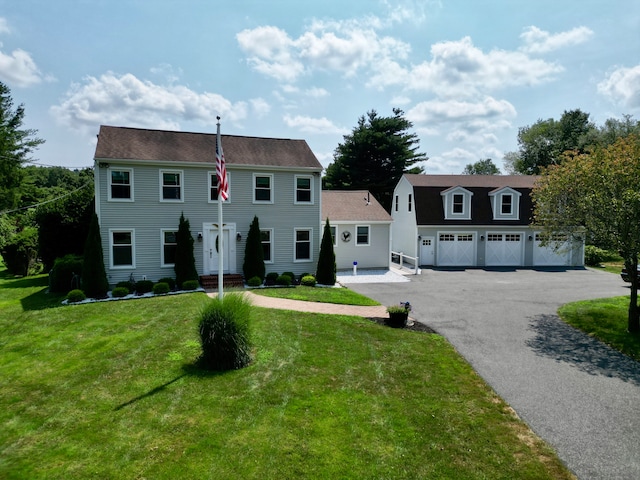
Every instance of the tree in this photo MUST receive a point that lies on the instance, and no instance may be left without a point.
(481, 167)
(374, 156)
(15, 146)
(253, 265)
(94, 277)
(326, 270)
(598, 191)
(545, 142)
(185, 262)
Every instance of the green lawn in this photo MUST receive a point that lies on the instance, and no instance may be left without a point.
(343, 296)
(108, 390)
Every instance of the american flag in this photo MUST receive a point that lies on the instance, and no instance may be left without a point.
(221, 170)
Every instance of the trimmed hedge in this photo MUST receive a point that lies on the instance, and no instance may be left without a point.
(190, 285)
(161, 288)
(120, 292)
(308, 281)
(62, 273)
(76, 295)
(144, 286)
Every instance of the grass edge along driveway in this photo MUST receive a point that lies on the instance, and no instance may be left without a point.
(108, 390)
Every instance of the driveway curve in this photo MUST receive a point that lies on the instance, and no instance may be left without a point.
(580, 396)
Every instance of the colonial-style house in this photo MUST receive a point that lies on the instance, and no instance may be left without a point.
(360, 227)
(474, 221)
(145, 179)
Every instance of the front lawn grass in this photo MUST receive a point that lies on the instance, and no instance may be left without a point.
(109, 390)
(606, 320)
(340, 295)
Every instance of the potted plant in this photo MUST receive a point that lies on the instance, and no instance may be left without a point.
(398, 314)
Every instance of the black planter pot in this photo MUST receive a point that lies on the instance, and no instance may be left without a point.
(398, 319)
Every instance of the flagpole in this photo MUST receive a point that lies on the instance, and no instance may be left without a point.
(219, 159)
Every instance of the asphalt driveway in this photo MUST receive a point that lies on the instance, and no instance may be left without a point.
(580, 396)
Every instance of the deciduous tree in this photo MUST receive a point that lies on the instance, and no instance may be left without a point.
(481, 167)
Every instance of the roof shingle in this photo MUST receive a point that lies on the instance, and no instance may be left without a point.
(352, 205)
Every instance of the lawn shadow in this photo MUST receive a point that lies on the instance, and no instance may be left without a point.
(41, 300)
(560, 341)
(189, 370)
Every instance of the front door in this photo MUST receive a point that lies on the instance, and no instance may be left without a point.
(211, 249)
(427, 251)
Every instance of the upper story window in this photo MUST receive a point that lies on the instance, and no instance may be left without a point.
(304, 189)
(505, 203)
(171, 186)
(213, 187)
(121, 184)
(457, 203)
(262, 188)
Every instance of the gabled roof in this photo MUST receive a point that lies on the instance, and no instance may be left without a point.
(466, 181)
(124, 143)
(352, 205)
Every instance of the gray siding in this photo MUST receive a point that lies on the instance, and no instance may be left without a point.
(374, 255)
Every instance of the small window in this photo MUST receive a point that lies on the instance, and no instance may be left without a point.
(333, 235)
(171, 185)
(213, 187)
(303, 190)
(120, 187)
(303, 245)
(122, 248)
(397, 203)
(506, 204)
(465, 238)
(410, 200)
(169, 245)
(262, 185)
(458, 203)
(447, 237)
(362, 235)
(494, 237)
(267, 245)
(512, 237)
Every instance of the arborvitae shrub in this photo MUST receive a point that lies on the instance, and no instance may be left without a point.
(224, 333)
(253, 265)
(284, 280)
(120, 292)
(161, 288)
(308, 281)
(75, 296)
(190, 285)
(185, 263)
(62, 273)
(170, 281)
(144, 286)
(254, 281)
(326, 271)
(94, 277)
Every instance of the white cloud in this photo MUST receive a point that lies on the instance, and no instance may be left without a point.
(260, 106)
(439, 111)
(313, 125)
(540, 41)
(4, 26)
(127, 100)
(622, 86)
(18, 67)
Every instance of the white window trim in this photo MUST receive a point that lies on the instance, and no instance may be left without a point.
(368, 227)
(271, 188)
(213, 175)
(295, 190)
(295, 235)
(271, 243)
(447, 197)
(496, 204)
(164, 264)
(109, 197)
(172, 200)
(133, 248)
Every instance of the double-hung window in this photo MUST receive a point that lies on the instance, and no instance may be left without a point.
(262, 188)
(458, 203)
(121, 184)
(171, 186)
(506, 204)
(122, 243)
(266, 238)
(302, 245)
(362, 235)
(213, 187)
(304, 189)
(333, 231)
(169, 245)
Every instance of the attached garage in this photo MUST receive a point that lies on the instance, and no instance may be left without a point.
(556, 254)
(456, 249)
(504, 249)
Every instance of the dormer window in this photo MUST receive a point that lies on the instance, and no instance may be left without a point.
(456, 202)
(505, 203)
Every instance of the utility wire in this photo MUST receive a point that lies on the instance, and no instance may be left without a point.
(47, 201)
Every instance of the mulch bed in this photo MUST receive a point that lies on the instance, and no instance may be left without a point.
(411, 325)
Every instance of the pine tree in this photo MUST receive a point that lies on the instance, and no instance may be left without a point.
(253, 265)
(185, 262)
(326, 271)
(94, 276)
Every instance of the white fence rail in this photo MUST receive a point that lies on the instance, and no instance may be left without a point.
(402, 261)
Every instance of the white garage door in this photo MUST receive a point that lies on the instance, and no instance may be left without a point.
(504, 249)
(549, 256)
(456, 250)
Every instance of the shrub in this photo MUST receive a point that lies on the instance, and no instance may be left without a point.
(594, 256)
(185, 263)
(308, 281)
(291, 275)
(190, 285)
(161, 288)
(75, 296)
(271, 278)
(20, 253)
(120, 292)
(94, 277)
(144, 286)
(284, 280)
(128, 284)
(254, 281)
(326, 269)
(170, 281)
(62, 273)
(224, 333)
(253, 265)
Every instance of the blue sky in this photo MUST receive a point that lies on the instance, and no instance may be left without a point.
(467, 74)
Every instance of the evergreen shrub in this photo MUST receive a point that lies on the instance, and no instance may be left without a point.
(170, 281)
(190, 285)
(291, 275)
(129, 285)
(284, 280)
(120, 292)
(62, 273)
(308, 281)
(253, 265)
(161, 288)
(254, 281)
(94, 276)
(271, 278)
(144, 286)
(326, 270)
(75, 296)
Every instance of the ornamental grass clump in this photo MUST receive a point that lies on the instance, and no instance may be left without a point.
(224, 333)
